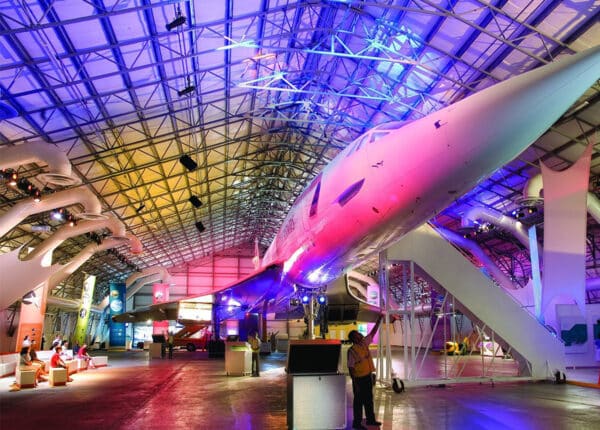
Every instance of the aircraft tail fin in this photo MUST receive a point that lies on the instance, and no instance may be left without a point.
(256, 258)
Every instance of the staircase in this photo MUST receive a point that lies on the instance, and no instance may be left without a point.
(538, 352)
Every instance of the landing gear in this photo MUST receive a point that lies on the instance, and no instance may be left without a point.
(397, 385)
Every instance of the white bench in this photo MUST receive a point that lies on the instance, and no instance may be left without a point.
(8, 363)
(81, 364)
(25, 378)
(58, 376)
(100, 360)
(45, 356)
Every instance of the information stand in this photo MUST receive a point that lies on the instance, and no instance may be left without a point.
(238, 359)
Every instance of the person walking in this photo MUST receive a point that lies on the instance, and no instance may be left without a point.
(361, 368)
(170, 344)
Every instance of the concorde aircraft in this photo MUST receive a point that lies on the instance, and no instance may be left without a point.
(397, 176)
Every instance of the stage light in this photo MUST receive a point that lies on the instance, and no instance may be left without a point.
(57, 215)
(195, 201)
(13, 178)
(177, 22)
(71, 220)
(322, 299)
(188, 162)
(200, 226)
(305, 299)
(187, 90)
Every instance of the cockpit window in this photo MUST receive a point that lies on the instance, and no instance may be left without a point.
(393, 125)
(364, 138)
(350, 192)
(315, 199)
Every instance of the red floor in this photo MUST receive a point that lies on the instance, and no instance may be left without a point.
(192, 392)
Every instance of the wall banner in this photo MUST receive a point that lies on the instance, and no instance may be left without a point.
(116, 304)
(83, 314)
(160, 294)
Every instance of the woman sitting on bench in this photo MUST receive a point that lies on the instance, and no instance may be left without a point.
(83, 355)
(25, 363)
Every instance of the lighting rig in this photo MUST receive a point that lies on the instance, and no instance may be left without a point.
(63, 214)
(12, 178)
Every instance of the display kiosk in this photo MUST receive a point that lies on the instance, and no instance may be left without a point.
(315, 389)
(238, 359)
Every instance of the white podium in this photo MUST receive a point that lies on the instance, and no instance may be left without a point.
(316, 391)
(155, 350)
(238, 359)
(318, 401)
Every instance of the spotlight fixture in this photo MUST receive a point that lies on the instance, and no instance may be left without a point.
(57, 214)
(13, 178)
(188, 162)
(305, 299)
(200, 226)
(195, 201)
(37, 196)
(23, 184)
(71, 220)
(177, 22)
(187, 90)
(321, 299)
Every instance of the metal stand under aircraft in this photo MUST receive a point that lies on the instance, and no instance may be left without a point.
(422, 265)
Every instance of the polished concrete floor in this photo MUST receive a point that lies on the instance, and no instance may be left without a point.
(193, 392)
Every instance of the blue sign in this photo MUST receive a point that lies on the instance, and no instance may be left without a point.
(116, 303)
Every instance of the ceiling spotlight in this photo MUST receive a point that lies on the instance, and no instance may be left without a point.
(177, 22)
(187, 90)
(195, 201)
(188, 162)
(322, 299)
(57, 215)
(23, 184)
(37, 196)
(305, 299)
(200, 226)
(13, 178)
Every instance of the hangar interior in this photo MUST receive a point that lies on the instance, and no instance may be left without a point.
(195, 125)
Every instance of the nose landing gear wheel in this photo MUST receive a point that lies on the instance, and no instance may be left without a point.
(398, 385)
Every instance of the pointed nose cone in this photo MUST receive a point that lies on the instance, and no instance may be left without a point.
(510, 116)
(543, 95)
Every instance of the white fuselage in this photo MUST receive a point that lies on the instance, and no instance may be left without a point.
(394, 178)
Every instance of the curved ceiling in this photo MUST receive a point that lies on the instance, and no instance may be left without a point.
(260, 95)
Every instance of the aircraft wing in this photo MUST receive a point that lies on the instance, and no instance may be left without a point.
(245, 295)
(158, 312)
